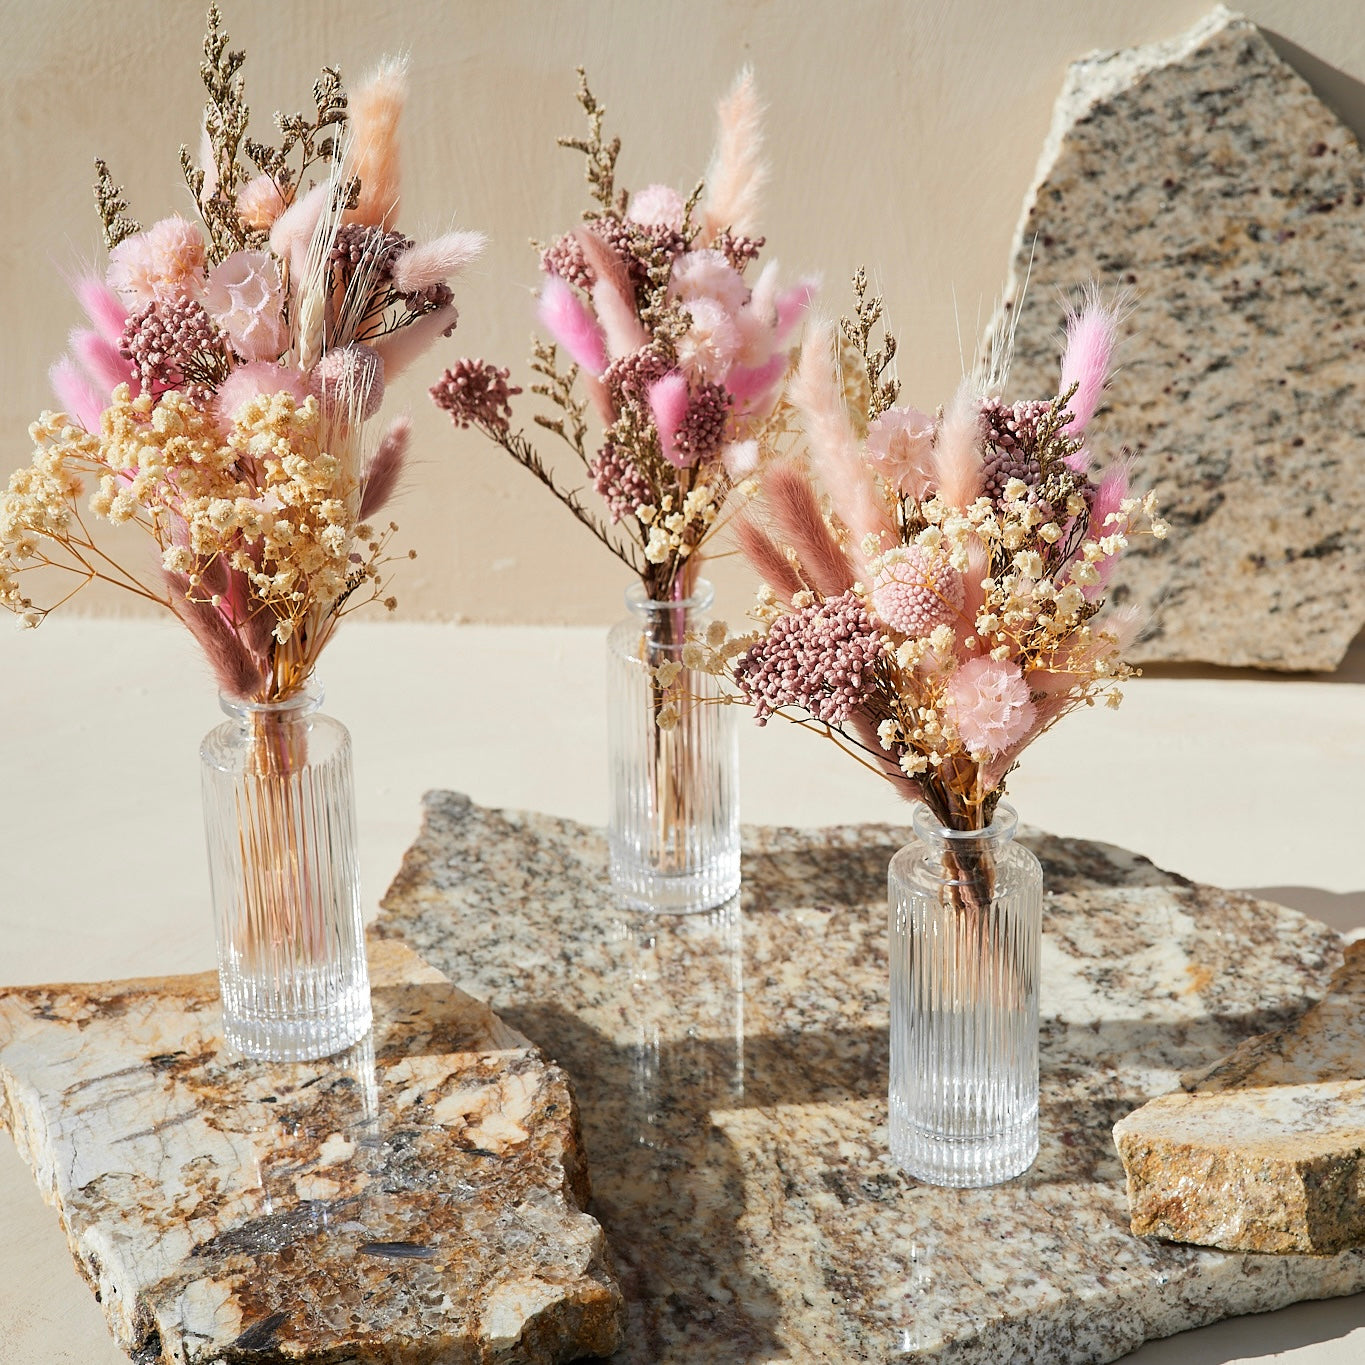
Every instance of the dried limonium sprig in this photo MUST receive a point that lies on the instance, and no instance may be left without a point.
(220, 399)
(933, 587)
(661, 345)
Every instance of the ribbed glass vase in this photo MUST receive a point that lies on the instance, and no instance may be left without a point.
(279, 812)
(966, 911)
(673, 828)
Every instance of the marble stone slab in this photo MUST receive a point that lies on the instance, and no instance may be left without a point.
(419, 1198)
(1204, 174)
(1265, 1150)
(731, 1070)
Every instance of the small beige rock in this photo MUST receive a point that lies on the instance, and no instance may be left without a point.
(1266, 1151)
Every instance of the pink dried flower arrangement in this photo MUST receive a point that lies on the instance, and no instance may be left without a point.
(671, 347)
(220, 398)
(933, 586)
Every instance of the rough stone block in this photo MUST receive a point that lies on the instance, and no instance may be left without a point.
(418, 1198)
(1266, 1151)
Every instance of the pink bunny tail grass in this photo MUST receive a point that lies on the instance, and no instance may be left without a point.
(957, 451)
(399, 349)
(793, 304)
(565, 316)
(374, 113)
(838, 458)
(102, 306)
(668, 404)
(973, 594)
(101, 360)
(754, 389)
(599, 397)
(766, 559)
(385, 467)
(1091, 336)
(76, 393)
(796, 510)
(294, 228)
(737, 174)
(237, 670)
(1110, 492)
(437, 261)
(208, 163)
(613, 296)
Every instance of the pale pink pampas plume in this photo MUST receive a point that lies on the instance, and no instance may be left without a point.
(374, 113)
(385, 467)
(796, 511)
(399, 349)
(208, 163)
(76, 393)
(957, 451)
(793, 304)
(101, 360)
(754, 389)
(1091, 336)
(436, 261)
(737, 174)
(565, 316)
(293, 231)
(102, 306)
(668, 404)
(838, 459)
(613, 296)
(767, 560)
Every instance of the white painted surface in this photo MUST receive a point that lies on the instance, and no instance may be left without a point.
(1239, 781)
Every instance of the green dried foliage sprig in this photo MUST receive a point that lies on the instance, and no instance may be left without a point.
(601, 156)
(859, 329)
(112, 207)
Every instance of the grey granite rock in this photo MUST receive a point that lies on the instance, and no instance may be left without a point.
(731, 1071)
(416, 1199)
(1265, 1150)
(1206, 175)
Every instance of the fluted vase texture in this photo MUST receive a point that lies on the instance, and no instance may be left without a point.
(279, 812)
(966, 912)
(673, 827)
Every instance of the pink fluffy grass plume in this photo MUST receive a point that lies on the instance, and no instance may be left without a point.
(1091, 336)
(573, 327)
(989, 702)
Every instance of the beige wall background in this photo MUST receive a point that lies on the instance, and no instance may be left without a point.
(902, 134)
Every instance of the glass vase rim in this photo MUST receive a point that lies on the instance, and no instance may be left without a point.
(1002, 828)
(303, 700)
(703, 595)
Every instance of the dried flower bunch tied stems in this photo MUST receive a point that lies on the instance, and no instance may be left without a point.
(933, 585)
(221, 399)
(666, 332)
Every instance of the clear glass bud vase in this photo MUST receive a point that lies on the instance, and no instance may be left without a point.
(966, 911)
(673, 830)
(279, 812)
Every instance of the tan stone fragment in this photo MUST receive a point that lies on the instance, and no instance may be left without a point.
(1266, 1150)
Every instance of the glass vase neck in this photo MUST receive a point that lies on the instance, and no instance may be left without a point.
(304, 701)
(700, 599)
(996, 835)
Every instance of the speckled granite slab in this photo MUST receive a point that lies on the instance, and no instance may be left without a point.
(416, 1199)
(1205, 174)
(731, 1073)
(1265, 1150)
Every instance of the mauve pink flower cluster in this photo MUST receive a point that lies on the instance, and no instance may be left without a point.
(818, 658)
(475, 393)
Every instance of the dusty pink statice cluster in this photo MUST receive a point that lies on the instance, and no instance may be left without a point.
(669, 349)
(933, 587)
(220, 397)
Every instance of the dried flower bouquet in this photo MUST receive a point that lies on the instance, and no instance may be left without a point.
(933, 585)
(221, 398)
(221, 402)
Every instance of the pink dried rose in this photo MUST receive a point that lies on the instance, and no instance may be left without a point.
(245, 296)
(989, 702)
